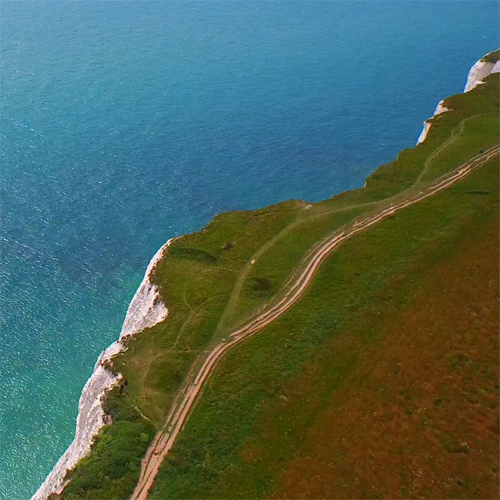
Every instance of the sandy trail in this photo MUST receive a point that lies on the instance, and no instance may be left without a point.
(166, 438)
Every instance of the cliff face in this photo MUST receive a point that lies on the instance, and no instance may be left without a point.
(440, 108)
(145, 310)
(89, 421)
(479, 71)
(477, 74)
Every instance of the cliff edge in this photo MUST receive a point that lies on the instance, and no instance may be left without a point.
(145, 310)
(487, 65)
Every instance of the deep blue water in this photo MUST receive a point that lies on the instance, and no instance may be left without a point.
(124, 124)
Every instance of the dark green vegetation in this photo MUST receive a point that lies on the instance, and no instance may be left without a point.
(113, 468)
(267, 396)
(492, 57)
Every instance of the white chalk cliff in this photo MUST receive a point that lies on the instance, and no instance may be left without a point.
(145, 310)
(440, 108)
(477, 74)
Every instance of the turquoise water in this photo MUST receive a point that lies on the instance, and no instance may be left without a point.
(124, 124)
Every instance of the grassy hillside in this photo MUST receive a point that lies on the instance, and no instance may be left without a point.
(371, 384)
(266, 424)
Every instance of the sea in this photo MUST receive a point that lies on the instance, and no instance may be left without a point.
(125, 123)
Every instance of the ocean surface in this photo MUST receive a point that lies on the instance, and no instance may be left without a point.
(126, 123)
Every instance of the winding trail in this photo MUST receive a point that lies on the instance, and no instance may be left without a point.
(166, 438)
(300, 220)
(455, 135)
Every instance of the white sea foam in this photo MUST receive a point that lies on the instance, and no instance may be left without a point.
(145, 310)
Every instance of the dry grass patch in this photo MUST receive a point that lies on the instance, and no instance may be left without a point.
(420, 416)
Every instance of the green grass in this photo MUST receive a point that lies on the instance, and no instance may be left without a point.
(210, 285)
(112, 470)
(243, 435)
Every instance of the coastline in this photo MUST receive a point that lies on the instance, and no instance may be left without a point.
(478, 72)
(145, 310)
(440, 108)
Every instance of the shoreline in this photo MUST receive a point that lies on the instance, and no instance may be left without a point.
(146, 309)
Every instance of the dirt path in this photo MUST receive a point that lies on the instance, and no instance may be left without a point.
(455, 135)
(301, 219)
(235, 294)
(166, 438)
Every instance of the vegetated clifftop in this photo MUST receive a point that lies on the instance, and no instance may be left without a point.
(487, 65)
(213, 279)
(382, 381)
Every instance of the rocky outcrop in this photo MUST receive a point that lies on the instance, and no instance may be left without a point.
(477, 74)
(145, 310)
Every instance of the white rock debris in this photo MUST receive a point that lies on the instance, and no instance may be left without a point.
(145, 310)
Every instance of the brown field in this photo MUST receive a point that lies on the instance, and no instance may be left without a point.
(419, 416)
